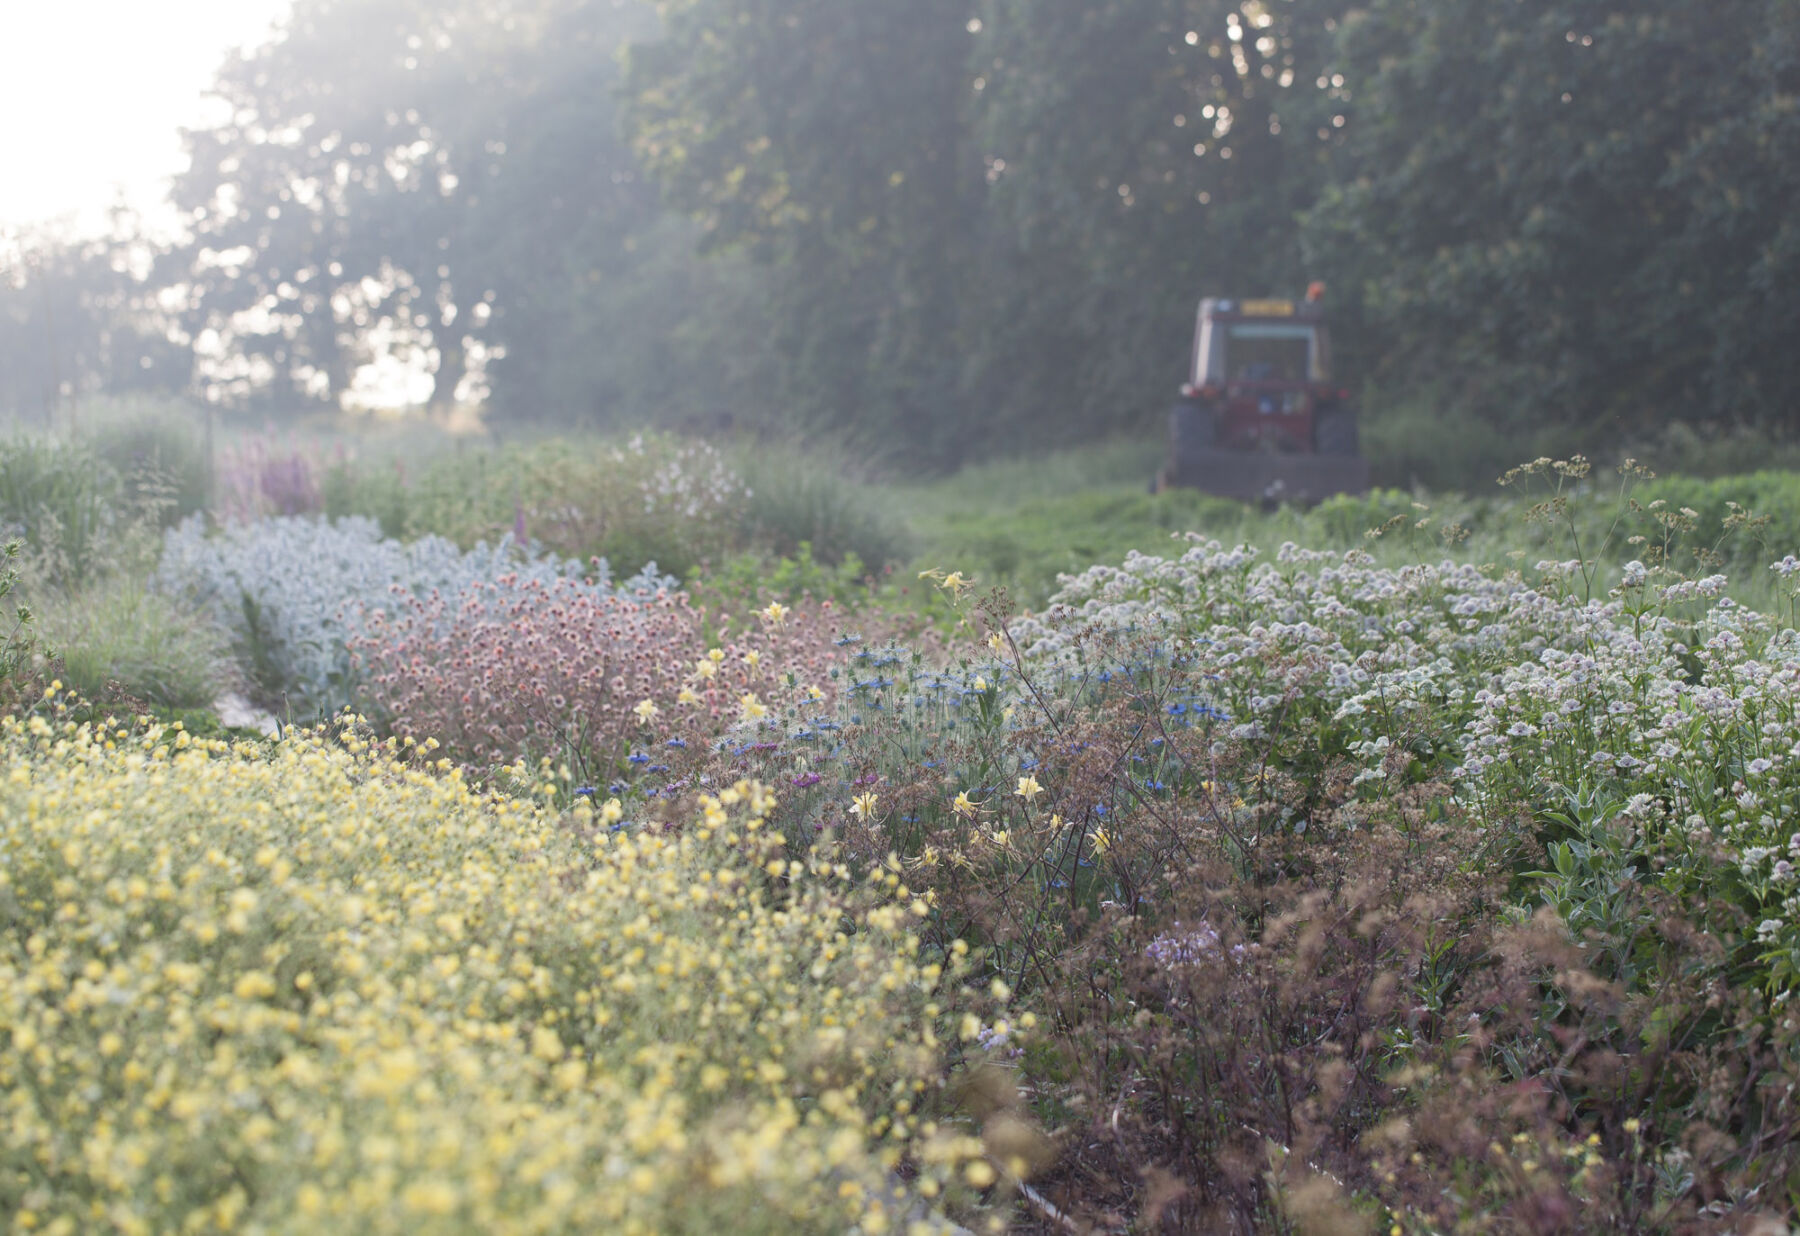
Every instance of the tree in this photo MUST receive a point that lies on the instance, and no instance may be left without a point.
(1576, 212)
(828, 140)
(79, 317)
(420, 178)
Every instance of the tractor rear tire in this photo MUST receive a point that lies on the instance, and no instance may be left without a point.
(1334, 432)
(1192, 427)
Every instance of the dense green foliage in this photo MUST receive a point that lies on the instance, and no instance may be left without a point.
(935, 231)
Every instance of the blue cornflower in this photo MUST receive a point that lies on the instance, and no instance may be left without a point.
(637, 757)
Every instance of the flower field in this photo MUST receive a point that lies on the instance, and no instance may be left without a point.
(1407, 885)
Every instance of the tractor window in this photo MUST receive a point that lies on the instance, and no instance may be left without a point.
(1269, 352)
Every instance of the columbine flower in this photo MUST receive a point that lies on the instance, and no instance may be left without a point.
(776, 614)
(954, 583)
(1028, 788)
(863, 806)
(965, 806)
(687, 696)
(1101, 841)
(705, 669)
(751, 708)
(646, 710)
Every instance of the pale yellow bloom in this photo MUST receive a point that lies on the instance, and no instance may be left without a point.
(687, 696)
(965, 806)
(646, 710)
(1028, 788)
(775, 614)
(751, 708)
(863, 806)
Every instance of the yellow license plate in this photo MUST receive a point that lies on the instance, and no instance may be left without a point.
(1267, 308)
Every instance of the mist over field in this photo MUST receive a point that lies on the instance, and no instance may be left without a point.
(927, 617)
(932, 231)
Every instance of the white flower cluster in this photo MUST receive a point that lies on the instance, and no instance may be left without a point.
(1690, 717)
(293, 590)
(1315, 641)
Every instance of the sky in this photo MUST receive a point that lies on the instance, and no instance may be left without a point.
(92, 93)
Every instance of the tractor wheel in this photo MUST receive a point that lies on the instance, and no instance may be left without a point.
(1192, 427)
(1334, 432)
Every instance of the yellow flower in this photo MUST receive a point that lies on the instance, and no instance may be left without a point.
(1028, 788)
(1101, 841)
(995, 642)
(813, 693)
(715, 655)
(646, 710)
(965, 806)
(687, 696)
(612, 812)
(776, 613)
(863, 806)
(751, 708)
(704, 668)
(954, 582)
(752, 658)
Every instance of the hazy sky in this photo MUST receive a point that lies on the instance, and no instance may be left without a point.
(93, 91)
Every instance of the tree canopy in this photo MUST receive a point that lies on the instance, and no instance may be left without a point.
(932, 229)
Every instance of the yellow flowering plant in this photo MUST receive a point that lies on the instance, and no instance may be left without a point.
(316, 986)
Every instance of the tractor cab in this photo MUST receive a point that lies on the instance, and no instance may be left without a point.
(1258, 416)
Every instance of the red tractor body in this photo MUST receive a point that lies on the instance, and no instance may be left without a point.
(1259, 417)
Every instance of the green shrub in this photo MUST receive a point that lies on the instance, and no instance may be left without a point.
(804, 498)
(648, 499)
(378, 491)
(118, 631)
(747, 582)
(156, 447)
(63, 501)
(17, 645)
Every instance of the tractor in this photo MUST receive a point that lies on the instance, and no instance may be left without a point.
(1259, 418)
